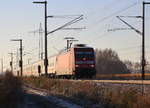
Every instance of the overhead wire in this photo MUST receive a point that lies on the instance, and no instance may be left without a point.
(106, 6)
(110, 16)
(117, 12)
(114, 14)
(104, 34)
(109, 5)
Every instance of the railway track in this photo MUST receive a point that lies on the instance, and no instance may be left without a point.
(139, 82)
(138, 85)
(142, 86)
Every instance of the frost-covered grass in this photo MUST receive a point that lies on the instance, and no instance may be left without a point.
(10, 87)
(106, 95)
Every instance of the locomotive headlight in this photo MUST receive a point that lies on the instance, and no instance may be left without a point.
(92, 65)
(77, 65)
(84, 59)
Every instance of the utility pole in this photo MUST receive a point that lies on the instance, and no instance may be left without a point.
(143, 42)
(11, 62)
(143, 61)
(21, 60)
(40, 31)
(46, 58)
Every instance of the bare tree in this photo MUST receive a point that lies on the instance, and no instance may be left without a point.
(108, 62)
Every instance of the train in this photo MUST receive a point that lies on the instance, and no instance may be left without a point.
(75, 62)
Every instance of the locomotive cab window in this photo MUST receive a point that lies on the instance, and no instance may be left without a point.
(84, 54)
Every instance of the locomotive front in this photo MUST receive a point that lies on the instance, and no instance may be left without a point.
(84, 61)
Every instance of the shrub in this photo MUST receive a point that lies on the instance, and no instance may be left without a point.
(10, 87)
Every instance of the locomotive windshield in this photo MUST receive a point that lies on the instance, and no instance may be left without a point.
(84, 54)
(87, 53)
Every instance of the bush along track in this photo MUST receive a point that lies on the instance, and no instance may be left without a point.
(10, 91)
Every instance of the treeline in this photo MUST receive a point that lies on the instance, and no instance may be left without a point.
(108, 62)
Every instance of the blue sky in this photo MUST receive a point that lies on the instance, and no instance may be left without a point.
(19, 17)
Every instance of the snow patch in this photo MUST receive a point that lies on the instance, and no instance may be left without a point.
(56, 100)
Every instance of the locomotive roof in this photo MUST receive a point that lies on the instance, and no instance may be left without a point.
(81, 46)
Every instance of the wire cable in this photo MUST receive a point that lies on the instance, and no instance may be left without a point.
(115, 13)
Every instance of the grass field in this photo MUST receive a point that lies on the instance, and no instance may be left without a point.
(109, 97)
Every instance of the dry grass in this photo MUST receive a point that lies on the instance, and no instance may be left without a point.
(10, 87)
(110, 97)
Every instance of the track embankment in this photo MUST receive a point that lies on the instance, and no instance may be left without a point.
(97, 93)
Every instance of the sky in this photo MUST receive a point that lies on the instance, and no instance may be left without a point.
(19, 17)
